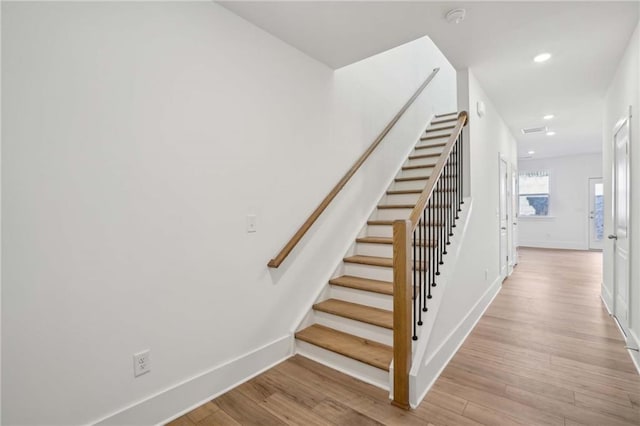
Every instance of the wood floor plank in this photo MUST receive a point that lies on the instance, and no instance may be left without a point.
(219, 418)
(545, 352)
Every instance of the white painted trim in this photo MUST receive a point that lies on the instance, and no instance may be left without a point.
(177, 400)
(454, 340)
(447, 271)
(606, 297)
(563, 245)
(633, 341)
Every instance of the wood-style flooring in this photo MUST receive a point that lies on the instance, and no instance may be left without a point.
(544, 353)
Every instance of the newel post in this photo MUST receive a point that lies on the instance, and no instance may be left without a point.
(401, 312)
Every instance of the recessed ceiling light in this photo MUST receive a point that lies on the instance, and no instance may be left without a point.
(543, 57)
(551, 133)
(548, 116)
(531, 152)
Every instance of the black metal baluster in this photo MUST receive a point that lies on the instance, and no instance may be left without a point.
(432, 248)
(459, 186)
(440, 223)
(425, 264)
(418, 266)
(445, 213)
(415, 301)
(461, 169)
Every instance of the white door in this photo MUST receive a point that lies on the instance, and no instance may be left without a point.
(504, 219)
(596, 214)
(620, 234)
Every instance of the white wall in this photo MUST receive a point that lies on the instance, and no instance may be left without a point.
(476, 279)
(489, 137)
(624, 91)
(137, 137)
(567, 226)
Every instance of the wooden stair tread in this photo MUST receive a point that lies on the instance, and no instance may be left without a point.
(366, 284)
(390, 223)
(419, 156)
(386, 262)
(430, 145)
(438, 129)
(432, 137)
(396, 206)
(363, 350)
(405, 179)
(404, 191)
(386, 240)
(358, 312)
(447, 120)
(419, 166)
(414, 191)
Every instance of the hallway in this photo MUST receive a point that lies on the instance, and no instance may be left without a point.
(545, 352)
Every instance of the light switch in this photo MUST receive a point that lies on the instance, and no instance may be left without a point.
(251, 223)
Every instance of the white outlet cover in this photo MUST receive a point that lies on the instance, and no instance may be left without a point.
(141, 363)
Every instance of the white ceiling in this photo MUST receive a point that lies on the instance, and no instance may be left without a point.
(497, 41)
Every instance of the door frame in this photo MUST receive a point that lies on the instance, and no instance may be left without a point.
(590, 222)
(503, 251)
(624, 121)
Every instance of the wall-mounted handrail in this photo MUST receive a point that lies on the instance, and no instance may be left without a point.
(282, 255)
(419, 244)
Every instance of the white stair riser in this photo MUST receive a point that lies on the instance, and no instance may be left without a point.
(401, 199)
(357, 328)
(443, 135)
(381, 250)
(360, 370)
(376, 300)
(379, 231)
(410, 184)
(430, 150)
(369, 271)
(392, 214)
(415, 172)
(429, 161)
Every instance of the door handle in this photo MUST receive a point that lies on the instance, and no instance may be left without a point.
(504, 228)
(612, 237)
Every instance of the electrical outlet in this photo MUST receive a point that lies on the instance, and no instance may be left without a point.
(251, 223)
(141, 363)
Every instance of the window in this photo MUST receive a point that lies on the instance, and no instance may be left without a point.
(534, 193)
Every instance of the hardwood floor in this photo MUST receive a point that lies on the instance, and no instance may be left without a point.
(544, 353)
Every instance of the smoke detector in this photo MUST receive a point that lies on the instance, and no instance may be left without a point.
(455, 16)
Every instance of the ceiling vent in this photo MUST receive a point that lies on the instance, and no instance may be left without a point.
(533, 130)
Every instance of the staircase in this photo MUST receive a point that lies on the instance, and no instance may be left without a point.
(351, 327)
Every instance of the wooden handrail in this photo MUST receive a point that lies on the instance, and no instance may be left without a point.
(421, 204)
(282, 255)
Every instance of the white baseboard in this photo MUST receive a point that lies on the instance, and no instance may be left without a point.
(607, 298)
(565, 245)
(634, 342)
(195, 391)
(437, 362)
